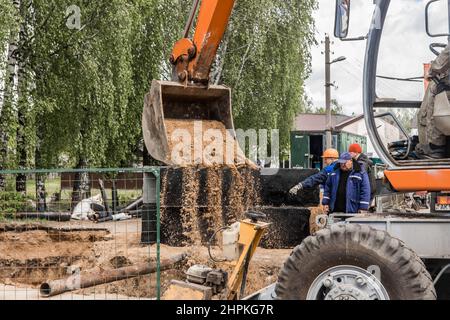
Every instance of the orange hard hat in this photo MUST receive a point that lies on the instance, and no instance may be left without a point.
(331, 153)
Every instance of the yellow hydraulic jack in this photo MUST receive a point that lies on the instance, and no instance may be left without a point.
(203, 282)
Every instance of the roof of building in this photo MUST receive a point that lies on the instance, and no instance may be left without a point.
(317, 122)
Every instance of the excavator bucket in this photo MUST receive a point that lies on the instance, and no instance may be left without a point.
(172, 101)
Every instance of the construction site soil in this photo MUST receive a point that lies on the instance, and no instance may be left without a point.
(197, 199)
(31, 254)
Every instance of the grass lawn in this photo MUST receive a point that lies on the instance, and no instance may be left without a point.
(51, 185)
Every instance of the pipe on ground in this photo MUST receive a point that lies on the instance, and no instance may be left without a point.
(133, 206)
(90, 279)
(50, 216)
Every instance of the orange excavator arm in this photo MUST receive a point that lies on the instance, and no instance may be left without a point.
(189, 97)
(193, 58)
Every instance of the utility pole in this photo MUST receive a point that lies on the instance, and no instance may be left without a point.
(328, 128)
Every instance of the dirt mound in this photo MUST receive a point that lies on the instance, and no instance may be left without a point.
(31, 254)
(205, 142)
(30, 257)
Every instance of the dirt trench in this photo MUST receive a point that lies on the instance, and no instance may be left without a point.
(31, 257)
(33, 254)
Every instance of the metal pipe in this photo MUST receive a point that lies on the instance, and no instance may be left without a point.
(50, 216)
(133, 206)
(95, 278)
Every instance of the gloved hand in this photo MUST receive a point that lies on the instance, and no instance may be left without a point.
(294, 191)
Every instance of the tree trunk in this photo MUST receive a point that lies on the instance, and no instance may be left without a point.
(3, 152)
(21, 179)
(3, 59)
(41, 203)
(3, 74)
(38, 163)
(24, 102)
(22, 91)
(221, 57)
(10, 95)
(40, 178)
(81, 184)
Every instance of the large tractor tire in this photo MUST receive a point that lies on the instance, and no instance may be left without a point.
(354, 262)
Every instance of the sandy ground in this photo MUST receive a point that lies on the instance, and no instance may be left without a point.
(17, 293)
(30, 255)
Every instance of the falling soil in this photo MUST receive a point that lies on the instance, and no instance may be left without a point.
(189, 212)
(213, 212)
(211, 198)
(206, 151)
(236, 197)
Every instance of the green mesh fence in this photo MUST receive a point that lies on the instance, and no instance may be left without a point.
(90, 234)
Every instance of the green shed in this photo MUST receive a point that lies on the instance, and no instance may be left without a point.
(308, 144)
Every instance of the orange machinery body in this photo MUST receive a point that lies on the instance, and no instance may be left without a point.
(433, 180)
(193, 58)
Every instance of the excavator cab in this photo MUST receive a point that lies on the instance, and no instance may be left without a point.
(404, 173)
(189, 97)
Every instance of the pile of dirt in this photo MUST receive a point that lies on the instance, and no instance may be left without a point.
(31, 257)
(206, 143)
(31, 254)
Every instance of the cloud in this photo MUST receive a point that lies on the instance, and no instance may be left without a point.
(404, 50)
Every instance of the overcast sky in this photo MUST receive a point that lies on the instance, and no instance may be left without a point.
(403, 51)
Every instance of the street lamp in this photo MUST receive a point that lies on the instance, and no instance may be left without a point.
(338, 59)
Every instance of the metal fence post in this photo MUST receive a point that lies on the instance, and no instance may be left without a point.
(149, 214)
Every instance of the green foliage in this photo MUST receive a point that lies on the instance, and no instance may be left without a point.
(336, 108)
(12, 202)
(82, 92)
(7, 20)
(267, 62)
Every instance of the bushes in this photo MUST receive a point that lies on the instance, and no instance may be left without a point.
(12, 202)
